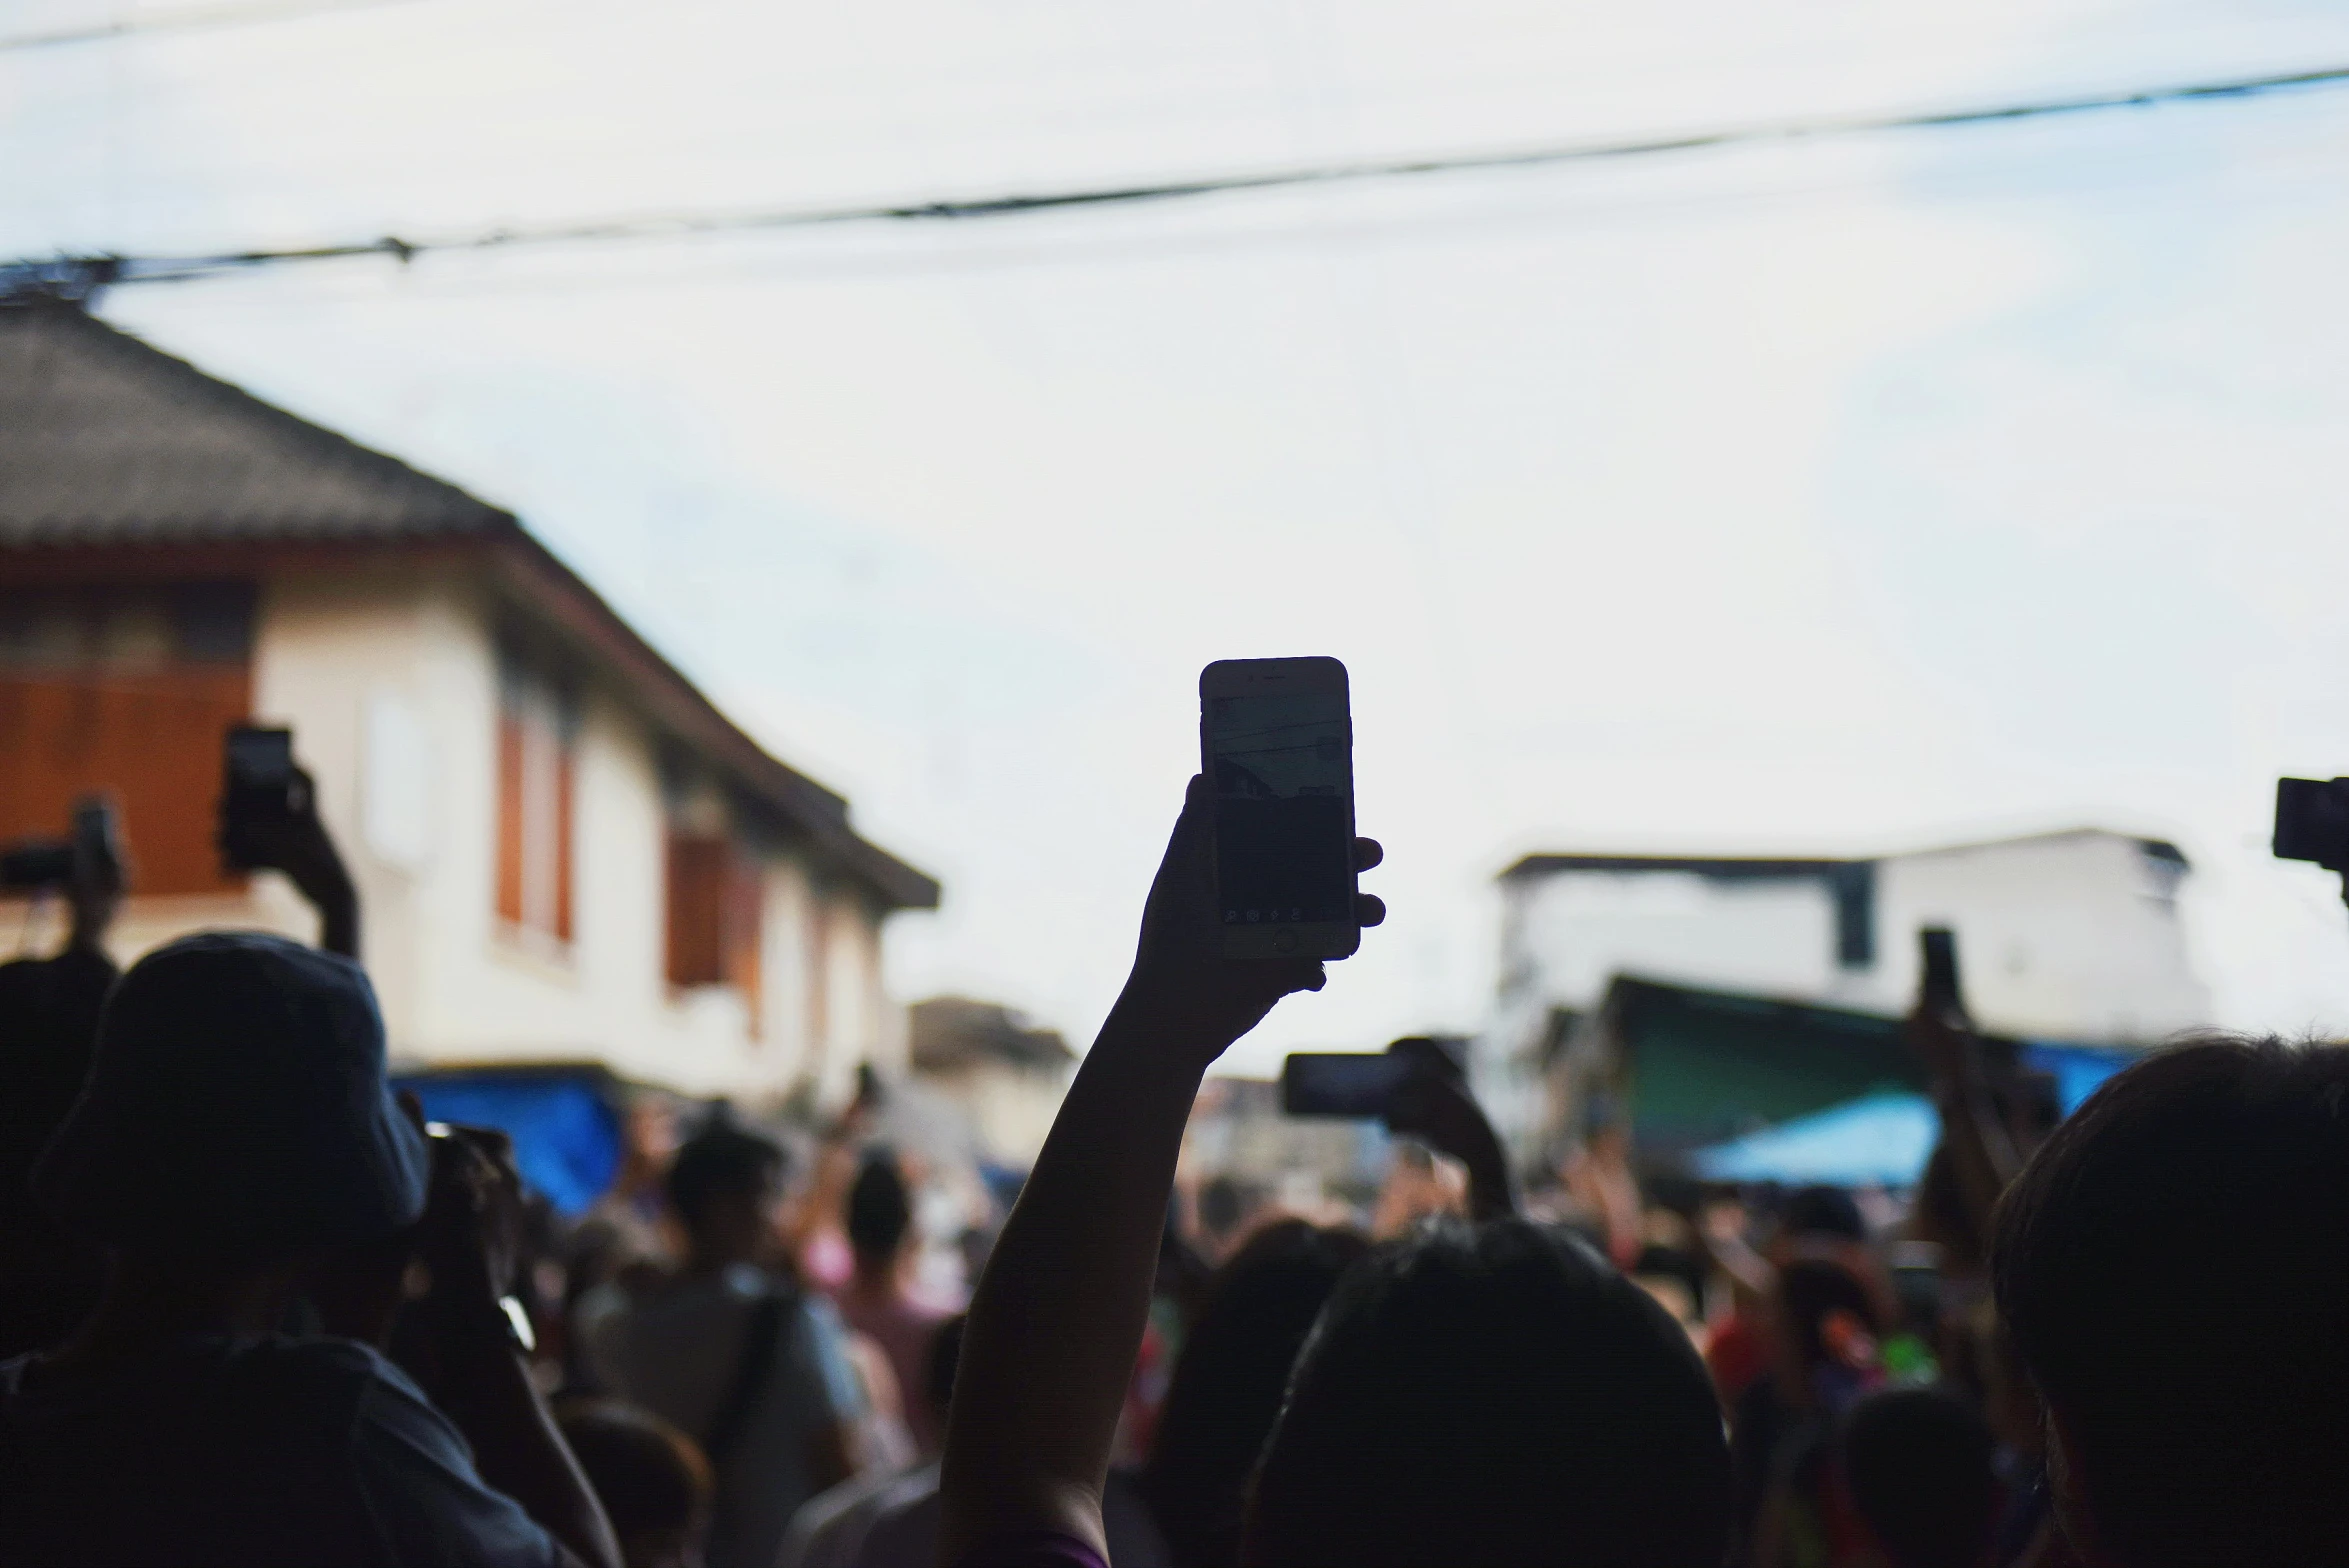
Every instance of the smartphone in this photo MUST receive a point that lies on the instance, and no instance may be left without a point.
(1276, 739)
(1937, 945)
(2312, 821)
(1341, 1083)
(259, 783)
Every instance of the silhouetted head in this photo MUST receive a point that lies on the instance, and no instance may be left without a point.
(1822, 1211)
(1227, 1384)
(2173, 1265)
(722, 1186)
(1917, 1464)
(651, 1477)
(880, 1211)
(1223, 1204)
(1498, 1396)
(237, 1108)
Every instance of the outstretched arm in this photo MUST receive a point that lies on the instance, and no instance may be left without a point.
(1435, 1106)
(298, 845)
(1981, 1147)
(1059, 1312)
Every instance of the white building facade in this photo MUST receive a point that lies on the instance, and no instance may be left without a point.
(2069, 935)
(563, 851)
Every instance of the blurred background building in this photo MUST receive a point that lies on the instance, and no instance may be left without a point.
(1698, 998)
(1006, 1075)
(564, 851)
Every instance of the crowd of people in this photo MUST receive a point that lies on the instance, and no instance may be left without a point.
(255, 1309)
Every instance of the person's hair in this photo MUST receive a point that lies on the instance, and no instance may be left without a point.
(1811, 1291)
(880, 1210)
(2174, 1267)
(1222, 1205)
(942, 1362)
(1228, 1382)
(722, 1160)
(1822, 1211)
(653, 1481)
(1917, 1464)
(1496, 1395)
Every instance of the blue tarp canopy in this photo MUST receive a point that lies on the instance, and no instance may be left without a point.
(1882, 1139)
(566, 1132)
(2076, 1069)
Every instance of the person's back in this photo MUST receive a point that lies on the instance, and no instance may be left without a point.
(48, 1028)
(2173, 1265)
(236, 1145)
(1497, 1396)
(731, 1352)
(256, 1450)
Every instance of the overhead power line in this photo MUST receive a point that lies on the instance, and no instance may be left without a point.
(80, 275)
(188, 19)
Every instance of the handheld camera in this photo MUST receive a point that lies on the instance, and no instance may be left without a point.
(91, 851)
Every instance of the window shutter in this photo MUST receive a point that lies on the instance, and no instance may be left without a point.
(697, 909)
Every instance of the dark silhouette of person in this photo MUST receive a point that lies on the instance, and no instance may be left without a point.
(1228, 1383)
(2173, 1266)
(237, 1141)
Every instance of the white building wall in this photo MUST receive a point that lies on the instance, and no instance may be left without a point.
(2071, 935)
(389, 681)
(2064, 935)
(785, 992)
(1573, 931)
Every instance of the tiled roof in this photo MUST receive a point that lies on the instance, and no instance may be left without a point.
(108, 446)
(104, 440)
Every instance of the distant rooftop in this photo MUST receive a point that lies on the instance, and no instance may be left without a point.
(950, 1033)
(1735, 868)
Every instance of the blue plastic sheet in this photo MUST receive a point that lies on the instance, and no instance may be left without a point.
(566, 1133)
(1881, 1139)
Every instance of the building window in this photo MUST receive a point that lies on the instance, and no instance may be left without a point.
(130, 693)
(716, 894)
(537, 790)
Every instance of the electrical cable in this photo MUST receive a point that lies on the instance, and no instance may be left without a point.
(80, 275)
(189, 19)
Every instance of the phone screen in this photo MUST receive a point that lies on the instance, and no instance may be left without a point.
(260, 758)
(1283, 768)
(1335, 1083)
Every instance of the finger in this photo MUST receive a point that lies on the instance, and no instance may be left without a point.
(1369, 909)
(1368, 852)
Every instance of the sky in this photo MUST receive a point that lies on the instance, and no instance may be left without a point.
(1833, 496)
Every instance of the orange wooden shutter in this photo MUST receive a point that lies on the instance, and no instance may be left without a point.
(151, 738)
(697, 908)
(509, 868)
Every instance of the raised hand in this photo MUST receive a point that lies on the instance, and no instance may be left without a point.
(1182, 986)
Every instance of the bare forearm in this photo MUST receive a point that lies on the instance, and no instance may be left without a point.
(1059, 1314)
(1492, 1194)
(331, 892)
